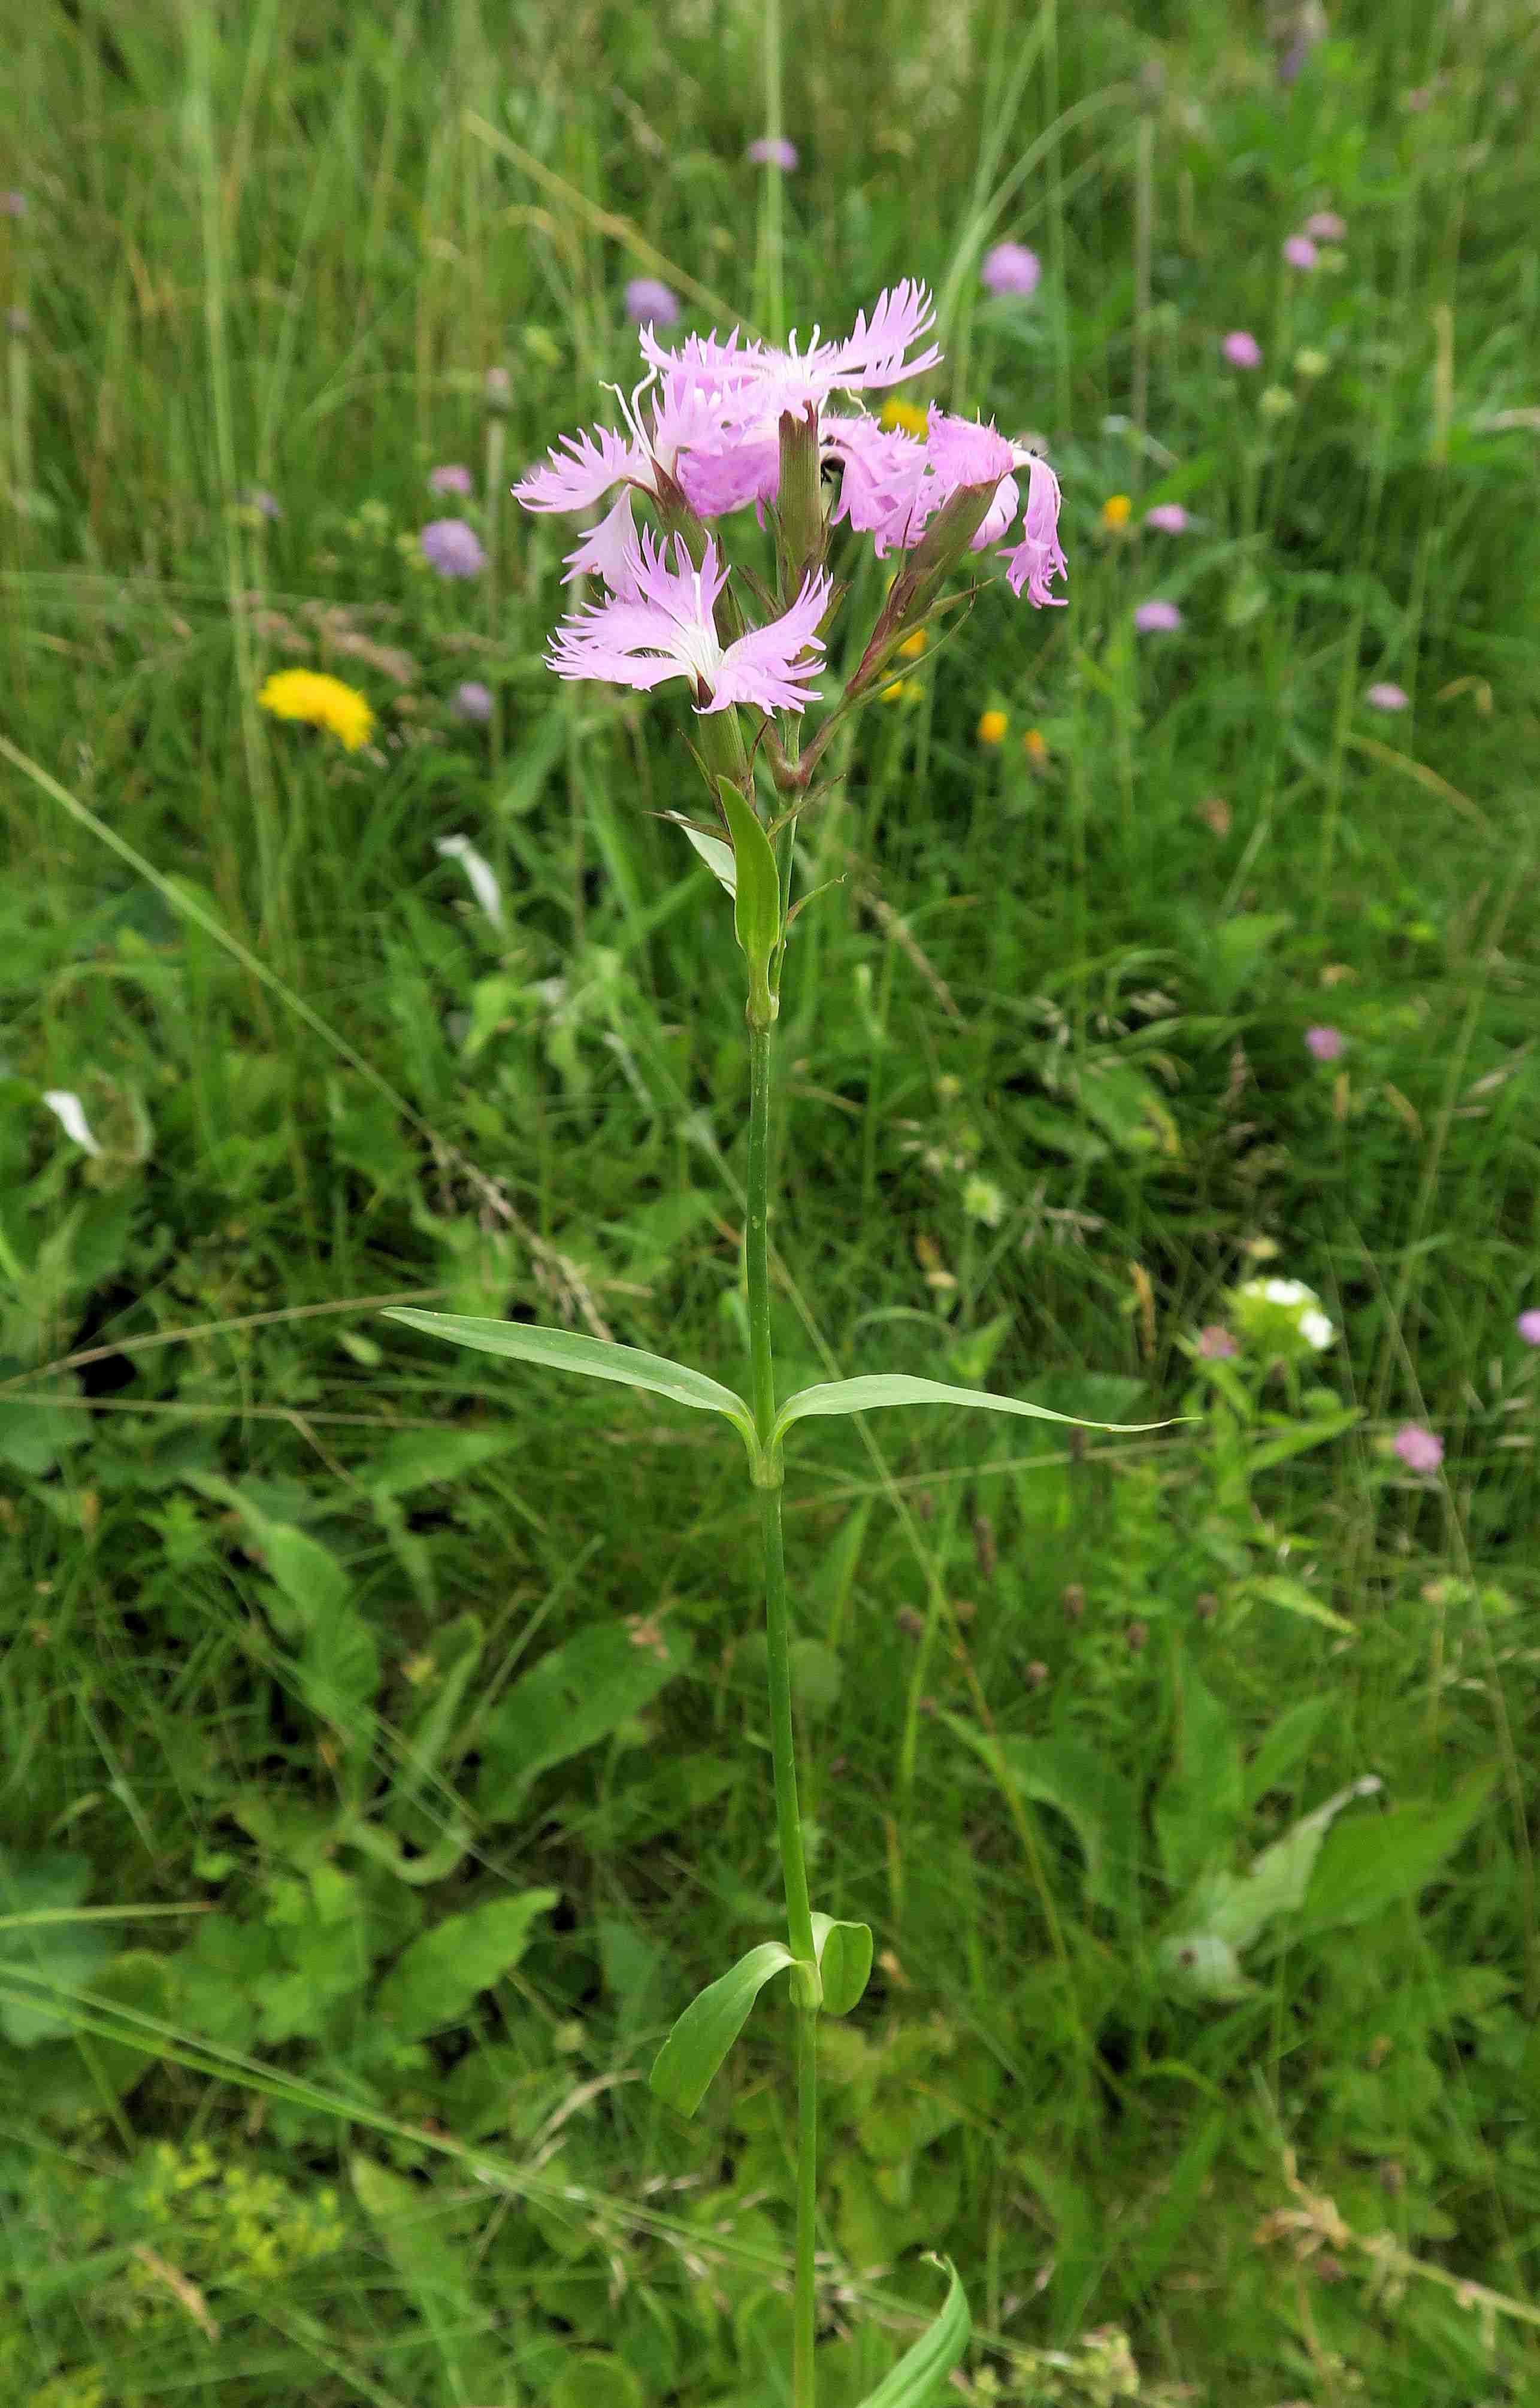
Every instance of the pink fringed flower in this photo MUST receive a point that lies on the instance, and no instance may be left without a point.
(1386, 696)
(1324, 1042)
(1158, 618)
(669, 630)
(1214, 1342)
(1528, 1326)
(1243, 351)
(879, 475)
(1037, 559)
(1420, 1449)
(451, 478)
(1167, 518)
(1326, 226)
(774, 150)
(1300, 251)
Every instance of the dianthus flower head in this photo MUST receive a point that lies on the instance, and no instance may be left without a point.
(1420, 1449)
(320, 701)
(451, 478)
(773, 150)
(1243, 351)
(1037, 559)
(1011, 267)
(667, 628)
(1157, 618)
(650, 302)
(453, 548)
(1168, 518)
(1325, 1043)
(1528, 1326)
(1386, 696)
(1326, 226)
(1300, 251)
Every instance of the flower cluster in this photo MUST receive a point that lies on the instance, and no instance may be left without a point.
(706, 433)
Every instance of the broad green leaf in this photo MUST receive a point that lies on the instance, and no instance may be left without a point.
(844, 1961)
(435, 2261)
(595, 1358)
(1369, 1864)
(756, 903)
(572, 1698)
(1095, 1800)
(1199, 1807)
(1227, 1912)
(311, 1582)
(40, 1947)
(922, 2370)
(1289, 1740)
(1276, 1588)
(436, 1978)
(140, 1981)
(418, 1459)
(682, 2070)
(340, 1671)
(595, 2378)
(1203, 1966)
(817, 1675)
(879, 1388)
(716, 855)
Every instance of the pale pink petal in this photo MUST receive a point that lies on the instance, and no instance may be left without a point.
(1037, 559)
(874, 354)
(596, 465)
(609, 550)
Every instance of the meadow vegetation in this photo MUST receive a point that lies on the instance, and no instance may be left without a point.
(385, 1746)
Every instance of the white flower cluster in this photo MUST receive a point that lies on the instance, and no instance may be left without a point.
(1301, 1302)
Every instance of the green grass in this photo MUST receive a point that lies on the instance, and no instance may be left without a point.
(275, 1570)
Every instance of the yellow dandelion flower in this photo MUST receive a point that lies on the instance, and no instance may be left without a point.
(1034, 745)
(902, 689)
(992, 727)
(320, 701)
(1115, 512)
(912, 646)
(906, 416)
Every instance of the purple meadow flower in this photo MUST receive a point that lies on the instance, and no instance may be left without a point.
(450, 479)
(1386, 696)
(1420, 1449)
(1011, 267)
(1158, 618)
(1528, 1326)
(666, 628)
(1214, 1342)
(1168, 518)
(1301, 251)
(1325, 1043)
(13, 204)
(472, 700)
(18, 322)
(265, 505)
(453, 549)
(650, 302)
(1243, 351)
(773, 150)
(1326, 226)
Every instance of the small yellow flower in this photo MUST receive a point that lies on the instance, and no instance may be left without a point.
(912, 646)
(906, 416)
(1311, 364)
(902, 689)
(1116, 510)
(321, 701)
(1035, 744)
(992, 727)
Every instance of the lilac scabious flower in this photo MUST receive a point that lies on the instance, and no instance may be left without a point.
(1167, 518)
(1420, 1449)
(1300, 251)
(1243, 351)
(1324, 1042)
(650, 302)
(1326, 226)
(453, 549)
(1386, 696)
(1011, 267)
(1214, 1342)
(665, 627)
(450, 479)
(1528, 1326)
(472, 700)
(265, 505)
(773, 150)
(1158, 618)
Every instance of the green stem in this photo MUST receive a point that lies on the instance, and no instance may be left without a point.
(783, 1738)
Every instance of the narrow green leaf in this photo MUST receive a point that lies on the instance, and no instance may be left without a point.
(844, 1961)
(939, 2349)
(716, 855)
(595, 1358)
(708, 2025)
(756, 905)
(878, 1388)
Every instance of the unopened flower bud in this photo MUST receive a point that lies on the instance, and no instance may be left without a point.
(1073, 1602)
(1136, 1636)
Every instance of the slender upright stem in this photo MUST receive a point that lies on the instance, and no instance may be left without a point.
(783, 1741)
